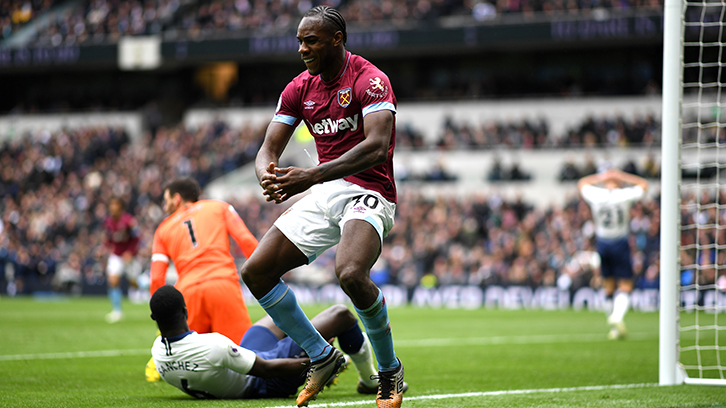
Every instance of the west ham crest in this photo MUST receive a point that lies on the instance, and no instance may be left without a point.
(344, 97)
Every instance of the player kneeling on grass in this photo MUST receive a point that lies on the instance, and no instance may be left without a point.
(266, 364)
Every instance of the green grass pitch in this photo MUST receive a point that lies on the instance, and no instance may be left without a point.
(61, 353)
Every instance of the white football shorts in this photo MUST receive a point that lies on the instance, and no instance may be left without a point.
(116, 267)
(315, 223)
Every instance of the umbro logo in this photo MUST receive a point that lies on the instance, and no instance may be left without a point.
(399, 385)
(309, 104)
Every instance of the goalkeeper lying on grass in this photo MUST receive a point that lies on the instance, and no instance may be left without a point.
(266, 364)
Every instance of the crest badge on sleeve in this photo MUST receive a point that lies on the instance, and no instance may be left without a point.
(344, 97)
(377, 88)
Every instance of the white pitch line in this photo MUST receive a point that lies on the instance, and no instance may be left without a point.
(77, 354)
(483, 394)
(529, 339)
(472, 341)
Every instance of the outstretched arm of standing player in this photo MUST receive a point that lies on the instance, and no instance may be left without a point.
(159, 263)
(239, 232)
(372, 151)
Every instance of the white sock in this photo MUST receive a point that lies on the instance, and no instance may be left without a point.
(608, 306)
(621, 304)
(363, 362)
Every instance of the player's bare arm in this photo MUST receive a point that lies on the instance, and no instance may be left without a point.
(276, 138)
(372, 151)
(630, 178)
(590, 180)
(279, 367)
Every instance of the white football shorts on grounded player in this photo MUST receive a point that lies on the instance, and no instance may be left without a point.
(315, 223)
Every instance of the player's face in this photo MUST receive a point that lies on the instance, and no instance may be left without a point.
(169, 205)
(115, 208)
(611, 184)
(317, 47)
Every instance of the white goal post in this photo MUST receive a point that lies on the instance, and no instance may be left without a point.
(693, 196)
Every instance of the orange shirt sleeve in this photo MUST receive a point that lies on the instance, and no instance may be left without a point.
(159, 262)
(239, 232)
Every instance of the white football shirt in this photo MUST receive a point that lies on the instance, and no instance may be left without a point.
(205, 365)
(611, 209)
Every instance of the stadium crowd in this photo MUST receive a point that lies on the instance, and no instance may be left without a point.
(95, 21)
(487, 240)
(15, 14)
(55, 189)
(607, 130)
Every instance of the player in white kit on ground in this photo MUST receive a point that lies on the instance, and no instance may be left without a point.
(266, 364)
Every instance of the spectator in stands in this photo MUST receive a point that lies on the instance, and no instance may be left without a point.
(513, 173)
(650, 168)
(589, 167)
(439, 172)
(408, 137)
(651, 278)
(69, 279)
(569, 170)
(517, 174)
(496, 173)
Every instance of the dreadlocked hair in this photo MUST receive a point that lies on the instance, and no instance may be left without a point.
(332, 19)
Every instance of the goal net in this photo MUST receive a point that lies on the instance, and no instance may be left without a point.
(697, 186)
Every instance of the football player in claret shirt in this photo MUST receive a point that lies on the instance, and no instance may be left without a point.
(122, 241)
(195, 236)
(349, 107)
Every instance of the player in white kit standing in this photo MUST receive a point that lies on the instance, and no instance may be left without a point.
(610, 206)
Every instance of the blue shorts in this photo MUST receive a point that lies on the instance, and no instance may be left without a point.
(615, 258)
(266, 345)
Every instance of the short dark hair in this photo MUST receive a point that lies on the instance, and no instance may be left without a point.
(168, 308)
(118, 200)
(187, 187)
(332, 19)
